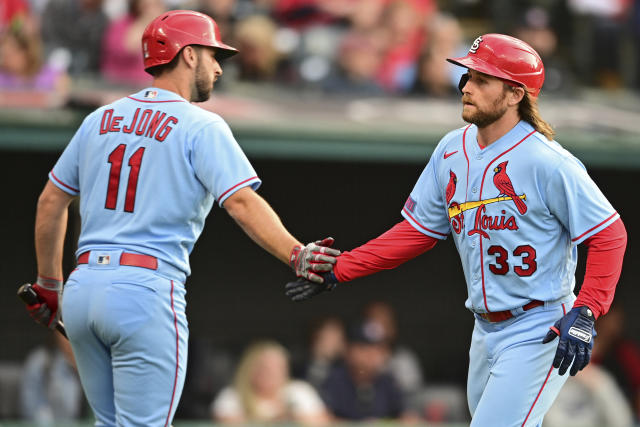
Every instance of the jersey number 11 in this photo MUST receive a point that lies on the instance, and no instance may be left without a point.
(115, 158)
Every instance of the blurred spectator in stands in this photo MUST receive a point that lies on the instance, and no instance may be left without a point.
(24, 80)
(403, 363)
(255, 38)
(403, 21)
(12, 11)
(121, 51)
(600, 28)
(73, 31)
(619, 354)
(534, 27)
(634, 23)
(444, 403)
(360, 389)
(366, 15)
(302, 14)
(51, 392)
(590, 399)
(262, 392)
(223, 12)
(435, 76)
(358, 62)
(326, 349)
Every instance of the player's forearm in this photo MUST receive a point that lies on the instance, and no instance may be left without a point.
(50, 229)
(604, 264)
(260, 222)
(394, 247)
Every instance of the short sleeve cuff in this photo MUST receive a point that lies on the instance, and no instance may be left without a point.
(254, 182)
(595, 229)
(421, 228)
(62, 185)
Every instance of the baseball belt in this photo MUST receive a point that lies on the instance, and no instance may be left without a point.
(500, 316)
(129, 259)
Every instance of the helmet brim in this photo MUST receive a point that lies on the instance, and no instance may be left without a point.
(224, 51)
(477, 64)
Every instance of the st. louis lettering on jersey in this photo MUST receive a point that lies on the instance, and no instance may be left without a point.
(505, 205)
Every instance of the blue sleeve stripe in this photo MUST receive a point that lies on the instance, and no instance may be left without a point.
(594, 227)
(56, 179)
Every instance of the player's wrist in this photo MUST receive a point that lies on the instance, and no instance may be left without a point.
(294, 255)
(585, 312)
(330, 280)
(49, 283)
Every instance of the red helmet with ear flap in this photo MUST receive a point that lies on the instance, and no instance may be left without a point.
(168, 33)
(507, 58)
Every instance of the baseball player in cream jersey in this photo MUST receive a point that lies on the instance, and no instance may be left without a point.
(147, 169)
(517, 205)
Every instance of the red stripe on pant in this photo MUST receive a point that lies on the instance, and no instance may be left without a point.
(175, 379)
(539, 393)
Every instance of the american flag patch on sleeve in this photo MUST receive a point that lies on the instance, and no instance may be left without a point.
(410, 204)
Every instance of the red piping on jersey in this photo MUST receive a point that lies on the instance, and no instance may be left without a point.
(594, 227)
(422, 226)
(484, 175)
(63, 184)
(464, 149)
(144, 100)
(175, 378)
(240, 183)
(564, 312)
(540, 392)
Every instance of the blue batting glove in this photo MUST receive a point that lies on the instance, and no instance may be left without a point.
(303, 289)
(576, 332)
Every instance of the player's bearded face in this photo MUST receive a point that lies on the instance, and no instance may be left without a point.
(203, 82)
(484, 99)
(482, 115)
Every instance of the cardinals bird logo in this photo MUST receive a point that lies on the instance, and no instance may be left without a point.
(503, 183)
(451, 186)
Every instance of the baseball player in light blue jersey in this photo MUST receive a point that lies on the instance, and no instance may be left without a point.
(147, 169)
(517, 205)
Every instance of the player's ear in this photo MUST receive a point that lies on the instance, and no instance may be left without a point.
(190, 56)
(516, 95)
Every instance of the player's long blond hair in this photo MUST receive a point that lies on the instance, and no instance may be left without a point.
(528, 111)
(243, 377)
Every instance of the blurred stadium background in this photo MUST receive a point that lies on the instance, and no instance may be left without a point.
(359, 90)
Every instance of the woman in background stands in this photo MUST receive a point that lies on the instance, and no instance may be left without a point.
(263, 392)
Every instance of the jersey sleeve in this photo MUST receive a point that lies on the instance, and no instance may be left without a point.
(577, 202)
(219, 162)
(424, 209)
(65, 174)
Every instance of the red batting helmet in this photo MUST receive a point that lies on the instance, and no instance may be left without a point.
(507, 58)
(168, 33)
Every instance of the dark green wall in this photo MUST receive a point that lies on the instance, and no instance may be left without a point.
(235, 293)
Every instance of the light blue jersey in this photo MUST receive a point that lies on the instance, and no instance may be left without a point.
(517, 209)
(148, 168)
